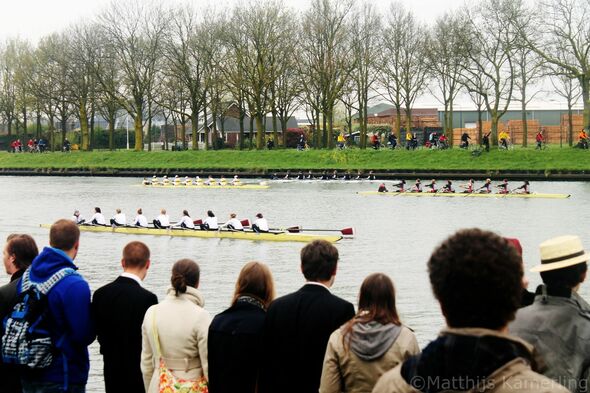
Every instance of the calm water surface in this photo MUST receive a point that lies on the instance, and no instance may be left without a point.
(395, 235)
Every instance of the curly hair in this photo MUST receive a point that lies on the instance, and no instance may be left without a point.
(476, 276)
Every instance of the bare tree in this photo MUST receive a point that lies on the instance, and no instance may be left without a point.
(490, 43)
(133, 32)
(569, 89)
(366, 26)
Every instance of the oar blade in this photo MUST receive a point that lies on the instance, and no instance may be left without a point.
(347, 231)
(294, 229)
(198, 222)
(245, 222)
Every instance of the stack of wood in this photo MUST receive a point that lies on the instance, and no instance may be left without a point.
(515, 129)
(577, 120)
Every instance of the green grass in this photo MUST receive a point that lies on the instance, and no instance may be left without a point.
(551, 159)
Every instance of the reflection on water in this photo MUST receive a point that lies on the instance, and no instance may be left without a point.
(394, 235)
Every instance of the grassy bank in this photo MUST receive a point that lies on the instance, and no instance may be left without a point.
(551, 159)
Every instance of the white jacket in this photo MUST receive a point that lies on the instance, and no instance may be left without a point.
(182, 326)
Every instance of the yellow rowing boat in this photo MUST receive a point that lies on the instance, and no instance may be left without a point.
(227, 186)
(223, 234)
(466, 195)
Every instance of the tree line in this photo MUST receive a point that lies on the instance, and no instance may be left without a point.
(186, 64)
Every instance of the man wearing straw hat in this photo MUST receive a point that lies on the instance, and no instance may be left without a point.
(558, 322)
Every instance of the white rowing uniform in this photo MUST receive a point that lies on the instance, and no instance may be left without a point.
(212, 222)
(235, 223)
(99, 219)
(120, 219)
(262, 224)
(187, 221)
(78, 219)
(164, 220)
(140, 221)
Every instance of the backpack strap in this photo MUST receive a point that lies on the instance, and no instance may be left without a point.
(45, 286)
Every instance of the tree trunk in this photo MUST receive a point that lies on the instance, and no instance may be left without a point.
(570, 126)
(138, 127)
(525, 127)
(585, 85)
(362, 124)
(330, 130)
(195, 127)
(259, 131)
(408, 119)
(112, 131)
(166, 132)
(84, 127)
(38, 128)
(275, 133)
(25, 118)
(206, 128)
(251, 132)
(479, 124)
(92, 116)
(183, 131)
(494, 128)
(398, 121)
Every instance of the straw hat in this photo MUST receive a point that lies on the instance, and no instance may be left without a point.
(560, 252)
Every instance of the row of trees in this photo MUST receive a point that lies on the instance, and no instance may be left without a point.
(186, 65)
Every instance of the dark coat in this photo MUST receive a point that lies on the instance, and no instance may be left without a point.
(297, 329)
(9, 374)
(235, 349)
(118, 309)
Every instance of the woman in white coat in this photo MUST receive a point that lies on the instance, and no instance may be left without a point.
(181, 324)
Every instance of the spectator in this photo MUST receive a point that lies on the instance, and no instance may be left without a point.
(371, 343)
(341, 141)
(540, 140)
(558, 322)
(465, 140)
(177, 349)
(67, 146)
(392, 140)
(68, 315)
(477, 279)
(235, 335)
(270, 144)
(298, 325)
(19, 252)
(375, 141)
(409, 139)
(301, 143)
(486, 141)
(118, 309)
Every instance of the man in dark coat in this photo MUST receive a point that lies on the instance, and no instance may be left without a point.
(19, 252)
(119, 308)
(298, 325)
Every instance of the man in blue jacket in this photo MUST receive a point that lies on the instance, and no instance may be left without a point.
(68, 316)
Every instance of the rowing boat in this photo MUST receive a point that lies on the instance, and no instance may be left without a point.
(223, 234)
(228, 186)
(466, 195)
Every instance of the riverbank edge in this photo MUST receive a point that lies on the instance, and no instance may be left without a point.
(538, 175)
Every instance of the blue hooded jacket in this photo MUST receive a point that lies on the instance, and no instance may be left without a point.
(69, 320)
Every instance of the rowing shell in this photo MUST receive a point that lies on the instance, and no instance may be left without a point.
(465, 195)
(240, 187)
(246, 235)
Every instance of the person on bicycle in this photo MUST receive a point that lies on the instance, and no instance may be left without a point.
(504, 139)
(540, 140)
(392, 139)
(465, 140)
(341, 141)
(583, 143)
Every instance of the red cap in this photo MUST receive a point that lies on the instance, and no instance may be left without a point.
(515, 243)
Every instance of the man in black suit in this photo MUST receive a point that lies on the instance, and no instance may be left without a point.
(298, 325)
(19, 252)
(118, 309)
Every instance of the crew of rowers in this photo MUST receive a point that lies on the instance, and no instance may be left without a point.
(187, 181)
(324, 176)
(162, 221)
(469, 187)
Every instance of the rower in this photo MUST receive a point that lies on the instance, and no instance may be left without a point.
(77, 218)
(155, 181)
(165, 180)
(432, 186)
(198, 181)
(162, 221)
(359, 175)
(371, 176)
(324, 176)
(236, 181)
(211, 181)
(468, 187)
(503, 187)
(286, 177)
(185, 222)
(334, 175)
(97, 218)
(274, 176)
(300, 175)
(187, 181)
(524, 188)
(448, 188)
(119, 219)
(233, 224)
(417, 186)
(140, 220)
(176, 180)
(400, 186)
(260, 224)
(486, 188)
(146, 182)
(309, 175)
(347, 176)
(223, 181)
(382, 188)
(210, 223)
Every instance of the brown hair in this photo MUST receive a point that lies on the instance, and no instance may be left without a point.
(64, 234)
(24, 249)
(185, 273)
(136, 254)
(376, 303)
(255, 280)
(318, 260)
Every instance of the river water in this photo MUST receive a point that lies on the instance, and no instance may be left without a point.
(394, 235)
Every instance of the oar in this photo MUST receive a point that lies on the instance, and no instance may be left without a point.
(344, 231)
